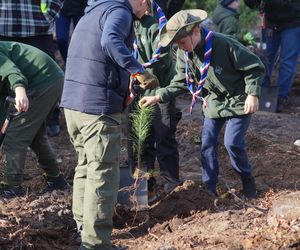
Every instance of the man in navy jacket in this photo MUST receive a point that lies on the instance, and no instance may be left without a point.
(98, 68)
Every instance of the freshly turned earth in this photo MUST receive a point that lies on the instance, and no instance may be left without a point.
(188, 218)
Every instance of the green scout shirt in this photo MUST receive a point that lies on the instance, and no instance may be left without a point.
(227, 22)
(234, 73)
(24, 65)
(147, 39)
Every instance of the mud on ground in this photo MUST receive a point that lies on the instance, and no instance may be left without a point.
(188, 218)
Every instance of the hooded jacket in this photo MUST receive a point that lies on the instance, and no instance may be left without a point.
(227, 22)
(100, 59)
(282, 14)
(279, 14)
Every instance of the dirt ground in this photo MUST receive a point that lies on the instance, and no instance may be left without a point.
(187, 218)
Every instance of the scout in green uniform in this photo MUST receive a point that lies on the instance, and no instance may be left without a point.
(35, 80)
(226, 17)
(229, 85)
(161, 142)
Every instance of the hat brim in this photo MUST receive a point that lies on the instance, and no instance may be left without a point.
(167, 37)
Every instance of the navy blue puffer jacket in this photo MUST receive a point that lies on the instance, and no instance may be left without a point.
(100, 59)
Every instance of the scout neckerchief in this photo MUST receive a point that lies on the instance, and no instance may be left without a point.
(203, 70)
(161, 22)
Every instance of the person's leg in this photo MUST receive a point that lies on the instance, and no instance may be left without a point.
(148, 160)
(166, 144)
(74, 125)
(23, 130)
(273, 43)
(234, 140)
(149, 151)
(209, 152)
(289, 53)
(40, 144)
(101, 135)
(47, 159)
(62, 26)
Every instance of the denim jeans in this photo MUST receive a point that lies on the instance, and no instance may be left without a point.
(287, 41)
(62, 27)
(234, 141)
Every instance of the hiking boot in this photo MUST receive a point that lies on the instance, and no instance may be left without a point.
(9, 192)
(169, 186)
(56, 183)
(249, 187)
(282, 104)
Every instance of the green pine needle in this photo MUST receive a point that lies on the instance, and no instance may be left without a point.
(141, 120)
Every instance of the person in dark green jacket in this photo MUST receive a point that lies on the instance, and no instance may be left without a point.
(226, 18)
(161, 142)
(229, 86)
(35, 80)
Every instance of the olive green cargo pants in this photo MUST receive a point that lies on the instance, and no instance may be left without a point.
(96, 139)
(29, 130)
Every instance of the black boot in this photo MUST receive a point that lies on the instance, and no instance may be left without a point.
(56, 183)
(9, 192)
(249, 187)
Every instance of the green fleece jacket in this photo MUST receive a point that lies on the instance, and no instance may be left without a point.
(24, 65)
(147, 40)
(234, 73)
(227, 22)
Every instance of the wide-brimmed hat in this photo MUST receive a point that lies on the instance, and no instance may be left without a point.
(180, 25)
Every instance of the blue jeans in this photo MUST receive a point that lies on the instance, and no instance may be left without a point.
(62, 27)
(234, 141)
(287, 41)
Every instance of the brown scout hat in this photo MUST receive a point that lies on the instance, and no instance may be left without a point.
(180, 25)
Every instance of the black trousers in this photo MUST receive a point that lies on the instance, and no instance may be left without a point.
(161, 142)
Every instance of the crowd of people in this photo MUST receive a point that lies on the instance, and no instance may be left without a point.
(125, 40)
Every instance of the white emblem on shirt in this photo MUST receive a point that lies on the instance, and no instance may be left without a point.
(218, 70)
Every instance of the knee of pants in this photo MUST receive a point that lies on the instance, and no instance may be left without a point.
(233, 143)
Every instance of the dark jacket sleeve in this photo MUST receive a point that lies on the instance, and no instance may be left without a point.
(177, 85)
(116, 29)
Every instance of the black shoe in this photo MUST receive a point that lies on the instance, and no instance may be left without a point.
(53, 130)
(282, 104)
(249, 187)
(56, 183)
(9, 192)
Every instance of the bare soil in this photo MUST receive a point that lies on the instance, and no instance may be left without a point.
(188, 218)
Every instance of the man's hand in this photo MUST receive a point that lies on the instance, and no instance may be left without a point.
(149, 100)
(251, 104)
(22, 103)
(148, 80)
